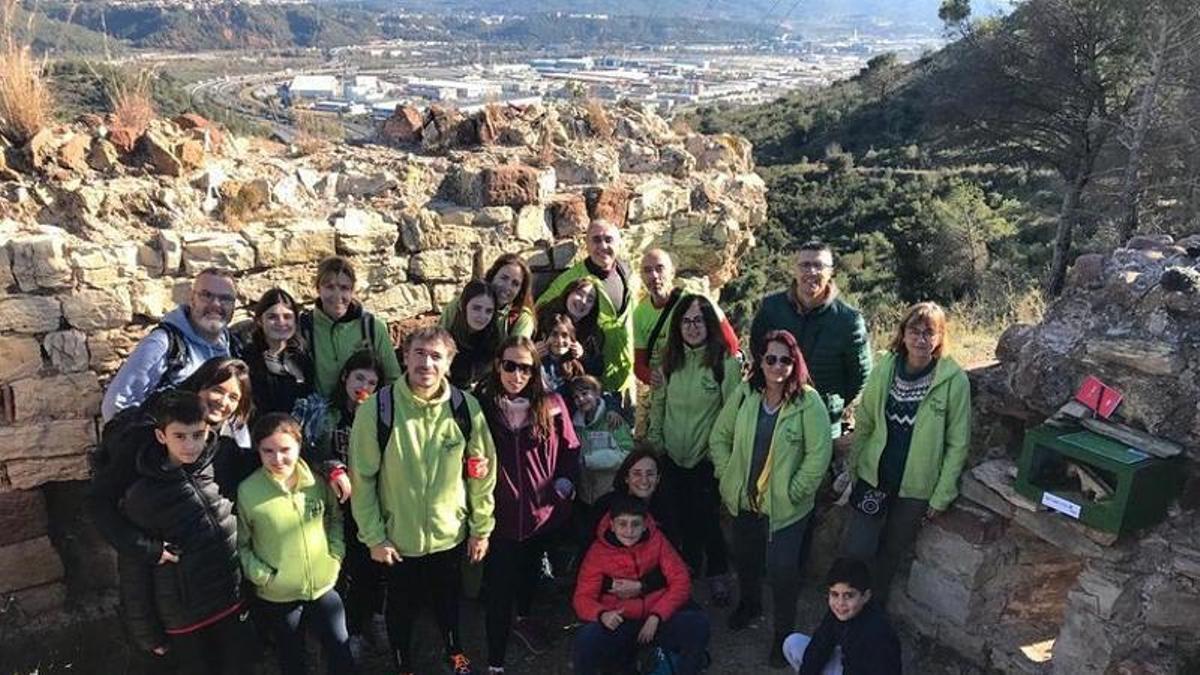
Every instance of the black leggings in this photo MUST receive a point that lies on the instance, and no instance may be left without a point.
(436, 577)
(510, 575)
(695, 493)
(361, 581)
(326, 616)
(227, 647)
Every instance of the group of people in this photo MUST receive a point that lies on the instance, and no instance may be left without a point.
(302, 477)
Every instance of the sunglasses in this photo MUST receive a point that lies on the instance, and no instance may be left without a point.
(513, 367)
(771, 359)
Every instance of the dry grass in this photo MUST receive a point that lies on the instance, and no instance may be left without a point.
(316, 131)
(546, 151)
(598, 119)
(26, 105)
(130, 95)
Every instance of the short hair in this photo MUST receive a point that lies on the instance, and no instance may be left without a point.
(627, 505)
(217, 370)
(431, 334)
(816, 245)
(850, 571)
(273, 423)
(335, 264)
(925, 312)
(216, 272)
(177, 406)
(589, 382)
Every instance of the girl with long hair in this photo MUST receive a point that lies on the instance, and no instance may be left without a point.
(281, 370)
(475, 334)
(580, 302)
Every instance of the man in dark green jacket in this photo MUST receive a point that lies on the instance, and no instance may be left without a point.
(831, 333)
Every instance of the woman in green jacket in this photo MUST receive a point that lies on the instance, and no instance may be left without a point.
(338, 326)
(291, 548)
(512, 282)
(770, 448)
(699, 374)
(912, 435)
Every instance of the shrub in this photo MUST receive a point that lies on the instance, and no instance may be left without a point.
(26, 105)
(131, 99)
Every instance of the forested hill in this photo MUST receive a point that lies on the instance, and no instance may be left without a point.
(976, 174)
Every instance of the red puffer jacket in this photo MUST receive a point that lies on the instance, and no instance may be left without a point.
(608, 559)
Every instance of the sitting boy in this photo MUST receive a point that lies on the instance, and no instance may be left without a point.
(855, 636)
(619, 614)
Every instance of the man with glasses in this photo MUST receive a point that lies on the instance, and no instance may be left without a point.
(620, 288)
(188, 336)
(831, 334)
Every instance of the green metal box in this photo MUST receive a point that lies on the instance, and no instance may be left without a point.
(1142, 485)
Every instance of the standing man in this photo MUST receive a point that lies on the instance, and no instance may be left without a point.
(616, 302)
(831, 334)
(652, 315)
(422, 493)
(188, 336)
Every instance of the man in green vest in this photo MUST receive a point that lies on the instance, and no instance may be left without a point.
(831, 334)
(620, 288)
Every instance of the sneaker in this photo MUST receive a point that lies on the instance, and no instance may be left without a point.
(532, 635)
(743, 616)
(720, 591)
(460, 664)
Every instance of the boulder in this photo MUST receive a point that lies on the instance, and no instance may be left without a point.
(67, 350)
(361, 232)
(50, 438)
(441, 265)
(721, 152)
(29, 314)
(39, 261)
(658, 199)
(103, 156)
(28, 563)
(610, 204)
(71, 396)
(568, 215)
(510, 185)
(190, 153)
(530, 224)
(225, 250)
(290, 242)
(27, 474)
(403, 127)
(96, 309)
(123, 139)
(402, 301)
(159, 152)
(19, 357)
(73, 154)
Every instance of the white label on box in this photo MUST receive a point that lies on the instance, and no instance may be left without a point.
(1061, 505)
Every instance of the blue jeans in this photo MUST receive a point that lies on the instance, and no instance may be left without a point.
(325, 616)
(685, 633)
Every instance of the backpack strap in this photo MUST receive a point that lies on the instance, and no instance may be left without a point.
(460, 411)
(383, 416)
(177, 355)
(367, 325)
(672, 299)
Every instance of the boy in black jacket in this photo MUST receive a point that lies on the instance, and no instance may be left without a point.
(855, 636)
(185, 600)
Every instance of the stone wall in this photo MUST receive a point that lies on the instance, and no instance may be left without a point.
(101, 229)
(1128, 605)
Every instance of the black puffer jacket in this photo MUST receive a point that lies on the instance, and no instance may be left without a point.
(182, 506)
(277, 392)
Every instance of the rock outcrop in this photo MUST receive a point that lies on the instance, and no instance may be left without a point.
(101, 228)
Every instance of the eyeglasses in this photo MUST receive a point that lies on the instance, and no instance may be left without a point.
(208, 296)
(693, 321)
(918, 333)
(771, 359)
(513, 367)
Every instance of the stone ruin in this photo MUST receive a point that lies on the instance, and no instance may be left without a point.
(1025, 590)
(102, 227)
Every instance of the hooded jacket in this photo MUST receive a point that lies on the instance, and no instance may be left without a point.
(526, 501)
(800, 451)
(142, 372)
(684, 409)
(289, 541)
(601, 451)
(508, 322)
(414, 492)
(609, 559)
(334, 341)
(616, 326)
(941, 434)
(646, 316)
(180, 505)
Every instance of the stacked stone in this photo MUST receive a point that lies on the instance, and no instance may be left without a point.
(1132, 605)
(93, 255)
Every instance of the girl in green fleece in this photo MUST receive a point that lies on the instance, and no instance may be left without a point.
(698, 375)
(338, 326)
(291, 548)
(912, 436)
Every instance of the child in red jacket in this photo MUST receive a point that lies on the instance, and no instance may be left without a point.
(631, 589)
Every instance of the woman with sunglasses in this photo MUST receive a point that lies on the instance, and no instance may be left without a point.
(912, 435)
(538, 460)
(698, 376)
(770, 448)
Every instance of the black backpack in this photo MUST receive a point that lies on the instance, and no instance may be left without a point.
(384, 415)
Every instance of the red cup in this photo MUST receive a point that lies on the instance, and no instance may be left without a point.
(476, 467)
